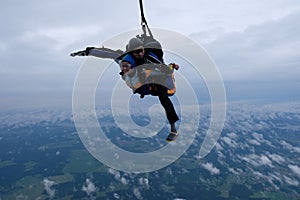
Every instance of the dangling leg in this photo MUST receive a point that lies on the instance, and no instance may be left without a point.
(169, 109)
(167, 104)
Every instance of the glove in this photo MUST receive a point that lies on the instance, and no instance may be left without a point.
(85, 52)
(174, 66)
(88, 50)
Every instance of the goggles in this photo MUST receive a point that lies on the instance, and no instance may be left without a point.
(137, 51)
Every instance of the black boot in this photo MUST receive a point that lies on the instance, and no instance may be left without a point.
(173, 135)
(173, 128)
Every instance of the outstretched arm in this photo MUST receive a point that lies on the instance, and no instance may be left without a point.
(101, 52)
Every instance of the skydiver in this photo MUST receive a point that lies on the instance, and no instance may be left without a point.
(137, 55)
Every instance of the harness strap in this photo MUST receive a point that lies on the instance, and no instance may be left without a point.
(142, 13)
(144, 22)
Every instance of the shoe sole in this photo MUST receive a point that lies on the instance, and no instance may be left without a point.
(172, 137)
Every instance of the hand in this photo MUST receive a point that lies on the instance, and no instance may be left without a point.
(85, 52)
(174, 66)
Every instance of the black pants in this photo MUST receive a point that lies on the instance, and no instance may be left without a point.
(161, 92)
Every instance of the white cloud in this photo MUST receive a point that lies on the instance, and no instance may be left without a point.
(267, 177)
(264, 160)
(277, 158)
(219, 147)
(89, 187)
(257, 160)
(250, 160)
(291, 181)
(236, 171)
(209, 167)
(124, 181)
(48, 187)
(117, 176)
(114, 172)
(232, 135)
(258, 137)
(258, 174)
(290, 147)
(144, 182)
(295, 169)
(276, 177)
(254, 142)
(229, 142)
(117, 196)
(137, 193)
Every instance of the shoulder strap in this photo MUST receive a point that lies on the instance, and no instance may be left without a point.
(153, 58)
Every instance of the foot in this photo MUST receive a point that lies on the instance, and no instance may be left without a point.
(172, 136)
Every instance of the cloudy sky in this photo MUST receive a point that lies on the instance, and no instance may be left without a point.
(254, 43)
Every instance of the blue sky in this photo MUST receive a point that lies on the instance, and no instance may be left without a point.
(254, 43)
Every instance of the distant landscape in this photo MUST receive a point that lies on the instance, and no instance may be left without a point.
(256, 157)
